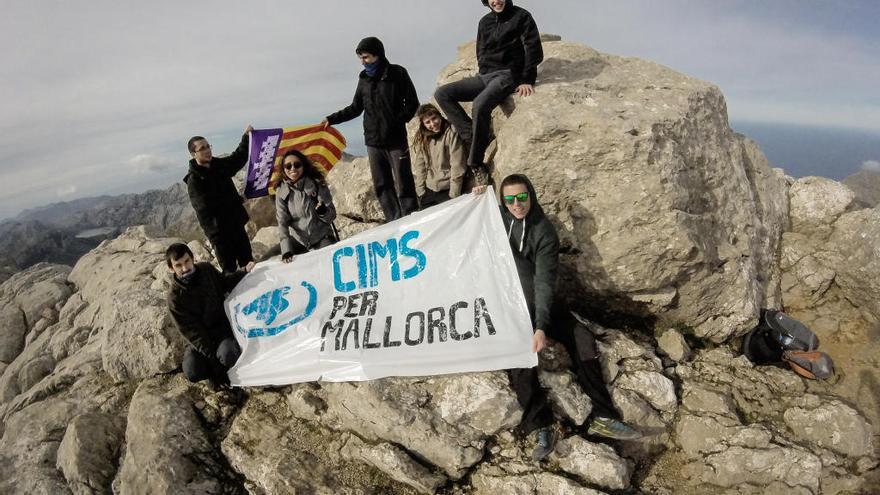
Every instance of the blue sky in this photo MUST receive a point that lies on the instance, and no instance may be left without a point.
(100, 98)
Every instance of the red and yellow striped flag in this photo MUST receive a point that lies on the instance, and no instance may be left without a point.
(323, 146)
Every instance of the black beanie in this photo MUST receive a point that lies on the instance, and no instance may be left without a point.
(371, 45)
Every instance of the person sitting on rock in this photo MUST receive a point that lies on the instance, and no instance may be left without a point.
(195, 302)
(535, 247)
(303, 206)
(438, 158)
(508, 53)
(219, 208)
(387, 97)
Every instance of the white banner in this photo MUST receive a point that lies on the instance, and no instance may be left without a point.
(432, 293)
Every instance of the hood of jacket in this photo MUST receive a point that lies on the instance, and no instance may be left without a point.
(508, 8)
(535, 214)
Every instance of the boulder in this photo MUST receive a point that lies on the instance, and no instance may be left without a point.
(88, 452)
(673, 345)
(665, 210)
(594, 463)
(137, 335)
(352, 188)
(167, 448)
(832, 425)
(565, 393)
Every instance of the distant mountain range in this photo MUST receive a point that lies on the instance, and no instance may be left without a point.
(62, 232)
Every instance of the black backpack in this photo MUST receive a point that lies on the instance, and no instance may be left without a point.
(780, 338)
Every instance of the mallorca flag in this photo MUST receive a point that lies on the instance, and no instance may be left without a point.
(322, 146)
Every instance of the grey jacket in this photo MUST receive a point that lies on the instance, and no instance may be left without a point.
(295, 211)
(444, 166)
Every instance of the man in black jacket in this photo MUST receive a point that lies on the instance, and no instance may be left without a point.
(215, 199)
(508, 53)
(535, 247)
(386, 96)
(195, 302)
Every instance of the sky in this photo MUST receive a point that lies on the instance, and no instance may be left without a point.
(101, 97)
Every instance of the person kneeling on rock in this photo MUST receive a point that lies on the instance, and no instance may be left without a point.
(195, 302)
(535, 247)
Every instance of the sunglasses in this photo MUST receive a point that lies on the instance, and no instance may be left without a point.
(203, 148)
(290, 165)
(521, 197)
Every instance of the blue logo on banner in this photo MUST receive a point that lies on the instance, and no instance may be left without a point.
(268, 306)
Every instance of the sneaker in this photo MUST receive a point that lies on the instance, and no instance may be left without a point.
(613, 428)
(546, 443)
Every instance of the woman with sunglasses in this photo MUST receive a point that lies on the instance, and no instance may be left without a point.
(303, 206)
(439, 158)
(535, 247)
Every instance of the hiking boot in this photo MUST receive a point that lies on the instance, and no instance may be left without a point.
(613, 428)
(546, 443)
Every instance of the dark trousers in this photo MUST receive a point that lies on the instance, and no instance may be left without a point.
(533, 399)
(431, 198)
(487, 91)
(393, 181)
(581, 347)
(197, 367)
(232, 248)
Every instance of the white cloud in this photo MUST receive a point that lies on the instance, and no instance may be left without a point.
(148, 162)
(871, 165)
(65, 190)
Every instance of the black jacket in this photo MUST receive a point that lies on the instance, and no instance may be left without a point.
(510, 40)
(197, 308)
(388, 101)
(535, 248)
(212, 193)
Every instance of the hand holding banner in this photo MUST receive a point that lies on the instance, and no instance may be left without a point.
(432, 293)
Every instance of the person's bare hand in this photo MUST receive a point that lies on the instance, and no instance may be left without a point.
(525, 89)
(325, 123)
(479, 189)
(250, 266)
(249, 129)
(539, 340)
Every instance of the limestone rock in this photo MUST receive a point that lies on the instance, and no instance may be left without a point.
(674, 346)
(566, 395)
(866, 187)
(88, 452)
(817, 202)
(265, 242)
(657, 389)
(595, 463)
(278, 453)
(761, 467)
(137, 335)
(832, 425)
(395, 463)
(528, 484)
(691, 238)
(352, 188)
(490, 406)
(167, 448)
(24, 298)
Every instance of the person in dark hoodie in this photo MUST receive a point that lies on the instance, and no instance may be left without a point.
(219, 208)
(303, 206)
(508, 53)
(535, 247)
(386, 96)
(195, 302)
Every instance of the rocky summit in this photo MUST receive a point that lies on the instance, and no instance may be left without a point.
(675, 231)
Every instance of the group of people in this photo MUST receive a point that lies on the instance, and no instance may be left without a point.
(448, 160)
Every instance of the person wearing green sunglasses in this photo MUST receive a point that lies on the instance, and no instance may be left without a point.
(535, 245)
